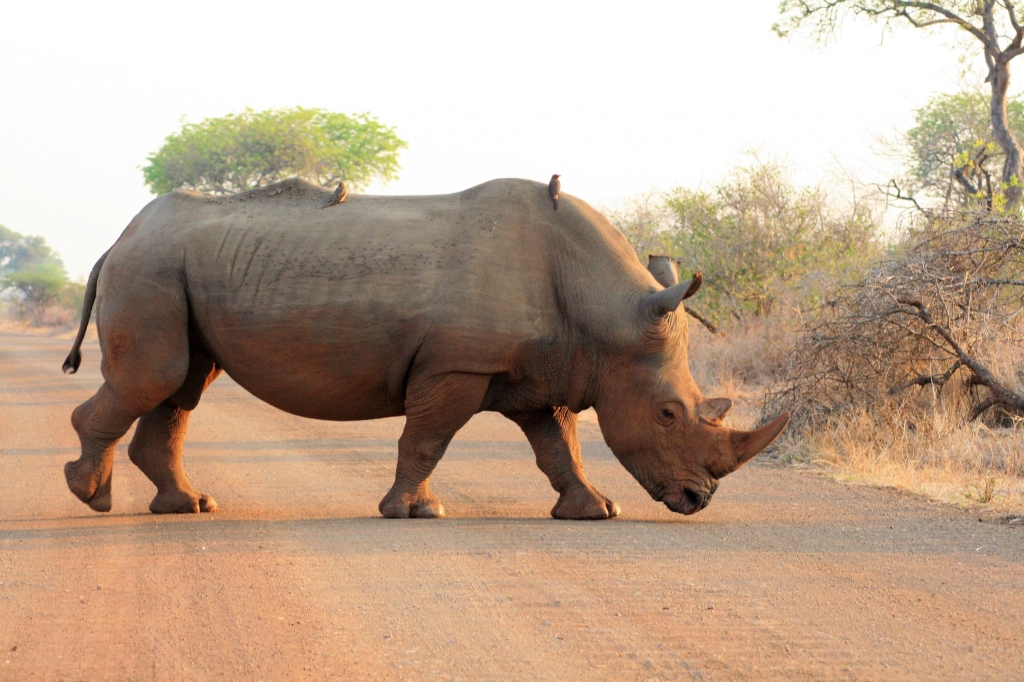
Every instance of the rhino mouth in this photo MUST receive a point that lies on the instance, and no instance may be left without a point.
(689, 500)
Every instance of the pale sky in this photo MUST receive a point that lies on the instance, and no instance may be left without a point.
(620, 98)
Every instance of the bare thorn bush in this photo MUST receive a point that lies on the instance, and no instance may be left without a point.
(939, 321)
(912, 377)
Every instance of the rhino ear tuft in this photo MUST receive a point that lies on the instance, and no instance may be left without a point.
(665, 301)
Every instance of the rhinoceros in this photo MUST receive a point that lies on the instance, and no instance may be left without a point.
(432, 307)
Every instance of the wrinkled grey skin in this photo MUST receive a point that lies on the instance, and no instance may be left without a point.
(435, 307)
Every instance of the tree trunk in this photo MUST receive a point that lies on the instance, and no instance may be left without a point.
(1000, 79)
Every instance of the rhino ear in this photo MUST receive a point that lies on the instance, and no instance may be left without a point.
(713, 410)
(664, 269)
(665, 301)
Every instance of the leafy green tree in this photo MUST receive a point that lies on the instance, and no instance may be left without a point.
(757, 237)
(39, 286)
(32, 275)
(243, 151)
(951, 151)
(18, 251)
(992, 23)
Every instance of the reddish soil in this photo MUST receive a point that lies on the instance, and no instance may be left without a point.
(786, 575)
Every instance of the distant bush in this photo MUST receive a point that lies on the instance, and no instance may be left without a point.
(33, 282)
(757, 238)
(646, 223)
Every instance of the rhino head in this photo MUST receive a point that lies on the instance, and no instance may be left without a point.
(654, 417)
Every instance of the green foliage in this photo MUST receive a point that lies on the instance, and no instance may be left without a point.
(18, 251)
(32, 276)
(39, 285)
(757, 237)
(242, 151)
(951, 139)
(71, 298)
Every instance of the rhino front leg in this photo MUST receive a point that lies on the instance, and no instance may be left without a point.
(552, 433)
(435, 409)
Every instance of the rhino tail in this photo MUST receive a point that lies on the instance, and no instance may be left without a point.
(74, 359)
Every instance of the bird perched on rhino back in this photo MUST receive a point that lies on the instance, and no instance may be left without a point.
(554, 189)
(339, 195)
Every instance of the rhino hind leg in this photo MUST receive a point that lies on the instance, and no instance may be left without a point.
(552, 434)
(159, 439)
(435, 409)
(100, 421)
(144, 337)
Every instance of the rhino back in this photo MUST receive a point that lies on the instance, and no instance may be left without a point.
(325, 312)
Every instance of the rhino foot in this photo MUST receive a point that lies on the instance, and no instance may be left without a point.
(84, 485)
(584, 504)
(180, 502)
(410, 506)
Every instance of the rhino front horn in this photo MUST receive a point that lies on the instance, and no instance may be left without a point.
(748, 444)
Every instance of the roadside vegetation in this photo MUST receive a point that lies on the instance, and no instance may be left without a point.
(34, 287)
(897, 348)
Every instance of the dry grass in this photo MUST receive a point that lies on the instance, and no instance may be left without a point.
(53, 319)
(924, 449)
(972, 466)
(67, 331)
(739, 363)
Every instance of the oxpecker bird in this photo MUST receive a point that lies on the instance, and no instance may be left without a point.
(338, 196)
(554, 189)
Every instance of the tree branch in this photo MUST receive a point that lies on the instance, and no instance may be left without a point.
(901, 6)
(700, 318)
(981, 407)
(958, 173)
(934, 379)
(1008, 4)
(999, 393)
(899, 196)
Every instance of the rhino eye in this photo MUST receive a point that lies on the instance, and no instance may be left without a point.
(666, 415)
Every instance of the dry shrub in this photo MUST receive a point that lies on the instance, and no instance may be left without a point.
(56, 316)
(752, 353)
(942, 318)
(940, 457)
(740, 361)
(913, 376)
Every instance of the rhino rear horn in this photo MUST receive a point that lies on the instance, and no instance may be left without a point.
(665, 301)
(664, 269)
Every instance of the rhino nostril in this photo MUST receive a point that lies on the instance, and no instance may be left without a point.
(695, 499)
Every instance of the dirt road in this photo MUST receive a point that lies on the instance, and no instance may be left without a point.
(785, 576)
